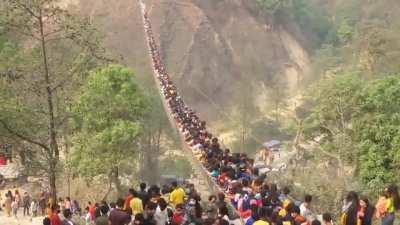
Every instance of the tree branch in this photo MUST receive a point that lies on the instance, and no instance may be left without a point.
(20, 30)
(23, 137)
(27, 9)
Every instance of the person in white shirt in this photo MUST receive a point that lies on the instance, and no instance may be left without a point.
(305, 207)
(34, 208)
(161, 214)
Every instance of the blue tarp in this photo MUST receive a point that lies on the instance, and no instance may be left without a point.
(272, 143)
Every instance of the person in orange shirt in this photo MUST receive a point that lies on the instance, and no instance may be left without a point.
(127, 206)
(381, 206)
(295, 213)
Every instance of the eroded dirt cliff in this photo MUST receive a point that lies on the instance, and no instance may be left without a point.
(214, 49)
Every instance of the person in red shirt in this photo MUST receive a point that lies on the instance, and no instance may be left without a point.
(54, 218)
(92, 209)
(3, 160)
(177, 217)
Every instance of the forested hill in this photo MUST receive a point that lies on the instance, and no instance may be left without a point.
(243, 62)
(350, 113)
(320, 75)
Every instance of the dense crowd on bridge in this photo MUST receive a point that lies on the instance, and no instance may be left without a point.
(238, 178)
(180, 204)
(244, 192)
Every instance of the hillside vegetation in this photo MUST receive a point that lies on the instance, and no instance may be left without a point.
(349, 117)
(321, 75)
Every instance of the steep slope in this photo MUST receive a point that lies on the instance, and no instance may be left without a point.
(215, 50)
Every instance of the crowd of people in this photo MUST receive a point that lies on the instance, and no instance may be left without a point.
(12, 203)
(240, 180)
(175, 204)
(171, 204)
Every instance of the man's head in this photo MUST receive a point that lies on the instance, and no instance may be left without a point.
(315, 222)
(151, 208)
(143, 186)
(67, 213)
(120, 203)
(162, 203)
(286, 190)
(212, 198)
(221, 196)
(307, 198)
(326, 217)
(179, 208)
(46, 221)
(131, 191)
(295, 211)
(174, 184)
(104, 209)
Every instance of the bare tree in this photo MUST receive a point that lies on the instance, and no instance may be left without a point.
(55, 49)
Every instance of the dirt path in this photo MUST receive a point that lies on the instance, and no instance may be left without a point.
(21, 220)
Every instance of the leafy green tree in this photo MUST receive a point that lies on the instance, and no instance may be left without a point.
(176, 165)
(377, 129)
(345, 31)
(334, 102)
(48, 58)
(275, 5)
(153, 139)
(313, 21)
(108, 117)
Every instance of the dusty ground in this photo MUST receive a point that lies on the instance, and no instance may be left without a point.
(21, 220)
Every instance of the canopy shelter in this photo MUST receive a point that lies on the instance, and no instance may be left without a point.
(273, 145)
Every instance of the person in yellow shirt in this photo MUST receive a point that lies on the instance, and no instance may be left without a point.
(392, 204)
(136, 204)
(264, 213)
(177, 195)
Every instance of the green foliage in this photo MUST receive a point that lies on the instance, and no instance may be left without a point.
(313, 21)
(326, 60)
(333, 100)
(275, 5)
(377, 130)
(176, 165)
(108, 118)
(359, 125)
(40, 69)
(334, 103)
(345, 31)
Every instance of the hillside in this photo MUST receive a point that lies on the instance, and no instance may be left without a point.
(214, 54)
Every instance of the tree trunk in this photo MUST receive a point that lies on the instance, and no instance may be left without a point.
(109, 188)
(52, 181)
(277, 111)
(54, 151)
(116, 181)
